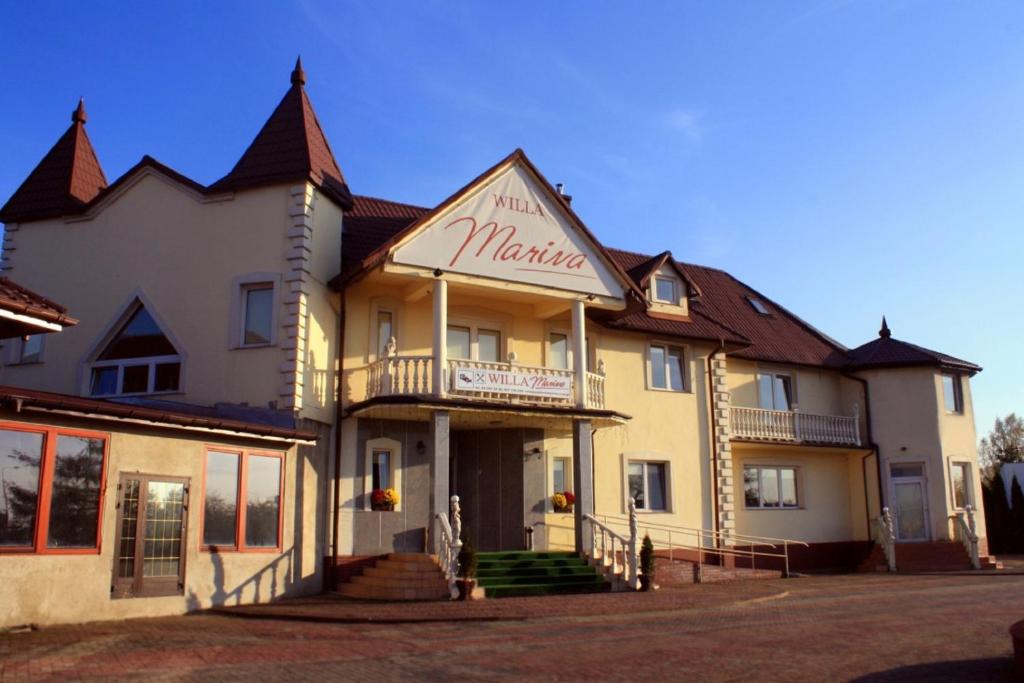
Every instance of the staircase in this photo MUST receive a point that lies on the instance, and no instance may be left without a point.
(516, 573)
(400, 576)
(934, 556)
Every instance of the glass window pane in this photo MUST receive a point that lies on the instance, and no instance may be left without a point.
(765, 395)
(164, 511)
(675, 369)
(558, 475)
(129, 519)
(75, 501)
(104, 381)
(770, 488)
(949, 393)
(259, 307)
(20, 456)
(139, 338)
(907, 470)
(959, 485)
(488, 345)
(787, 483)
(220, 507)
(262, 501)
(665, 290)
(658, 379)
(381, 474)
(636, 484)
(656, 486)
(167, 377)
(559, 344)
(385, 330)
(135, 379)
(458, 342)
(32, 349)
(751, 488)
(783, 392)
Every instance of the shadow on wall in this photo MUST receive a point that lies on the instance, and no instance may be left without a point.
(266, 579)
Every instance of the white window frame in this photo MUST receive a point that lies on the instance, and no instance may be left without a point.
(395, 448)
(778, 478)
(240, 285)
(645, 457)
(474, 327)
(684, 356)
(244, 316)
(674, 301)
(16, 355)
(968, 484)
(377, 306)
(552, 457)
(788, 374)
(150, 361)
(958, 393)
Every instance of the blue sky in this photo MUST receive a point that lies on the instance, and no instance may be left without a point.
(848, 159)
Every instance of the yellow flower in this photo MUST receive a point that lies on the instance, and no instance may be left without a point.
(558, 500)
(391, 496)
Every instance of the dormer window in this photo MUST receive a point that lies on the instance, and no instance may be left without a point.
(666, 290)
(758, 305)
(139, 359)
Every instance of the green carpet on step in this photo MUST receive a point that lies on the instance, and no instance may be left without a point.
(515, 573)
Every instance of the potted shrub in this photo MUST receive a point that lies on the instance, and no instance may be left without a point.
(467, 571)
(384, 499)
(646, 564)
(563, 501)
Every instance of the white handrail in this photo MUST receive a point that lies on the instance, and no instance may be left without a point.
(760, 540)
(966, 532)
(886, 536)
(449, 544)
(604, 550)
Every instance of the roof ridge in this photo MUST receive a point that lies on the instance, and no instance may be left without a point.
(391, 201)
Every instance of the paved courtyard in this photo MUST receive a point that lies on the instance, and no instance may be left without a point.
(866, 627)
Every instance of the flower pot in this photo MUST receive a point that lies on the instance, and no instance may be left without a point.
(383, 507)
(466, 588)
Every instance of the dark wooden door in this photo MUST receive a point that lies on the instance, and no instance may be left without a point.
(487, 475)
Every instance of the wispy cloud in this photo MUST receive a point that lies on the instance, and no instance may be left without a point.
(687, 122)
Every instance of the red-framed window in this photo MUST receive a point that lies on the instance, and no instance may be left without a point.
(243, 500)
(52, 484)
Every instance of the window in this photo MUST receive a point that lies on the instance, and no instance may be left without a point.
(472, 343)
(558, 350)
(646, 482)
(234, 477)
(151, 529)
(140, 359)
(385, 331)
(488, 345)
(381, 469)
(952, 392)
(775, 391)
(758, 305)
(28, 349)
(667, 369)
(458, 342)
(900, 470)
(960, 478)
(770, 487)
(561, 474)
(51, 485)
(665, 290)
(258, 314)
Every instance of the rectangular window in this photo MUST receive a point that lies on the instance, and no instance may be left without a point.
(385, 331)
(667, 367)
(770, 487)
(256, 479)
(665, 290)
(952, 392)
(647, 485)
(381, 474)
(31, 350)
(488, 345)
(257, 316)
(561, 475)
(459, 342)
(151, 528)
(558, 348)
(960, 479)
(774, 391)
(51, 485)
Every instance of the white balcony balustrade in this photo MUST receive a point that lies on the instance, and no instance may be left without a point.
(792, 426)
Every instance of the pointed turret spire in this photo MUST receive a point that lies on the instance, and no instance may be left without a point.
(884, 333)
(298, 75)
(66, 179)
(291, 147)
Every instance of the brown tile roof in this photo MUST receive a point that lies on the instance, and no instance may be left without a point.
(291, 146)
(17, 299)
(66, 179)
(886, 352)
(371, 223)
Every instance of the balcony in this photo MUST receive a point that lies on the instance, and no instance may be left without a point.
(484, 381)
(792, 426)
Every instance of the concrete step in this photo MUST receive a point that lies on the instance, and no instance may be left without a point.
(399, 575)
(421, 558)
(409, 567)
(435, 581)
(365, 591)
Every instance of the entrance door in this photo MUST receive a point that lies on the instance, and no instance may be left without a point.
(151, 525)
(910, 502)
(487, 475)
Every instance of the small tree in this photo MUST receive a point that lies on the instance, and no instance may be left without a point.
(467, 560)
(997, 513)
(1004, 444)
(646, 563)
(1016, 534)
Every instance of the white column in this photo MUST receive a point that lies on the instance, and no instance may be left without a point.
(579, 352)
(440, 337)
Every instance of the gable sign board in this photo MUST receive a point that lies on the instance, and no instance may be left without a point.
(510, 228)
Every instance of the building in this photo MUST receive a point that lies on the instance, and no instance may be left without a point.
(490, 347)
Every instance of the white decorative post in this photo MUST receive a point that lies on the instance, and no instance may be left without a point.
(440, 368)
(387, 378)
(889, 539)
(456, 546)
(632, 564)
(972, 536)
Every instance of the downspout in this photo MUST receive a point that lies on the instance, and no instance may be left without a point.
(338, 415)
(714, 438)
(875, 450)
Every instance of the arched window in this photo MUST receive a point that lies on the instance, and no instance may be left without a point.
(138, 359)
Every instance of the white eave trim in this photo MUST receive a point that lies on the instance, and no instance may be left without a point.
(31, 320)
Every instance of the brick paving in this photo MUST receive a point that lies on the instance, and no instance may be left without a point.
(867, 627)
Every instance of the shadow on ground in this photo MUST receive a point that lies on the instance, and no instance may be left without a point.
(990, 669)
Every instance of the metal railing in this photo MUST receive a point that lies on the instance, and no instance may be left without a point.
(794, 426)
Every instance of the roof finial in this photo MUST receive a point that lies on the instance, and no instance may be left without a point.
(78, 115)
(298, 75)
(884, 333)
